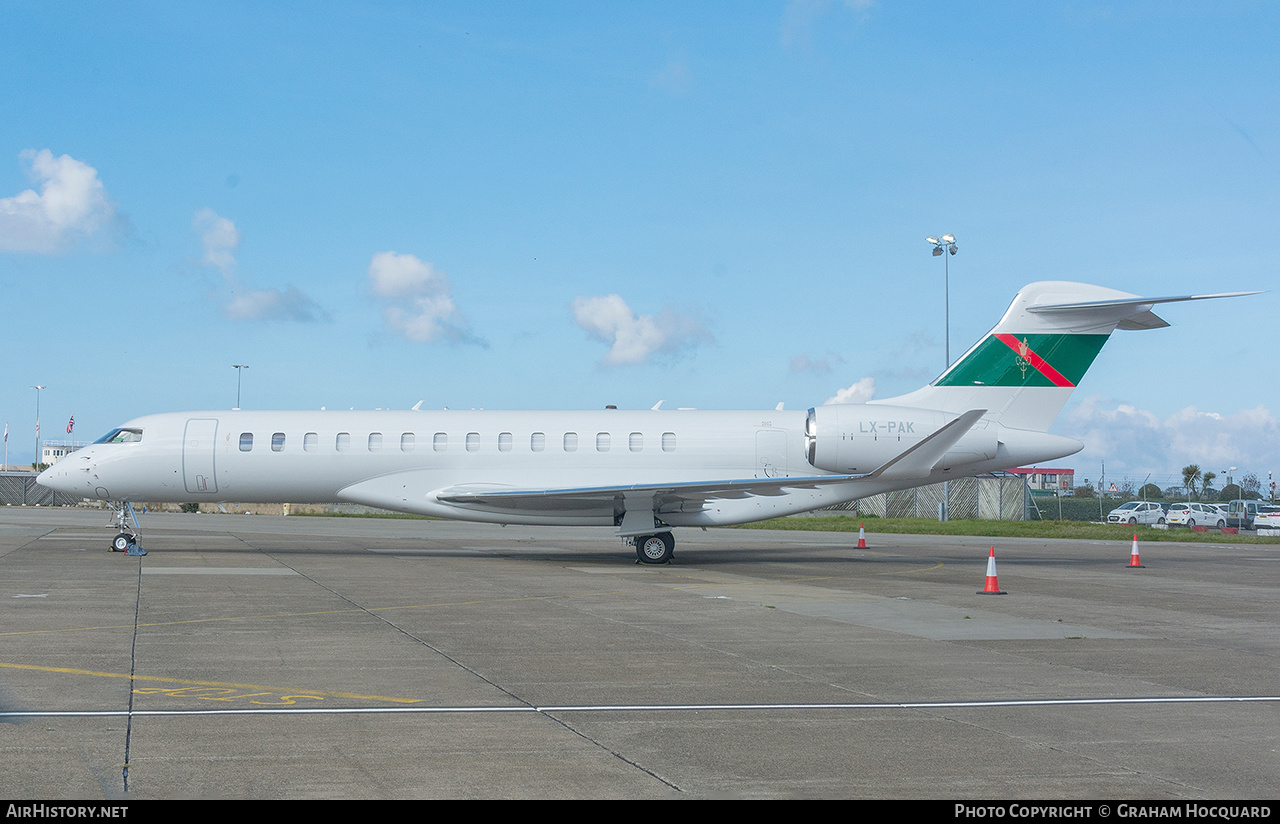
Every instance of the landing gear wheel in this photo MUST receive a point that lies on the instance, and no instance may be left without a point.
(121, 542)
(655, 549)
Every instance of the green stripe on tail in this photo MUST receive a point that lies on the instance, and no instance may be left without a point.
(997, 363)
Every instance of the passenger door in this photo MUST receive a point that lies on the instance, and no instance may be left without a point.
(198, 442)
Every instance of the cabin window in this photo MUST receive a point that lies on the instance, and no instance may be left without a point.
(277, 442)
(571, 442)
(668, 442)
(375, 441)
(635, 442)
(504, 441)
(473, 441)
(310, 441)
(440, 442)
(602, 441)
(246, 441)
(406, 442)
(342, 443)
(538, 441)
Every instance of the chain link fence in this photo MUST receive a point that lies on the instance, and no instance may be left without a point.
(997, 497)
(21, 489)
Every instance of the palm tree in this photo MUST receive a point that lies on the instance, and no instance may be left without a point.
(1206, 483)
(1190, 478)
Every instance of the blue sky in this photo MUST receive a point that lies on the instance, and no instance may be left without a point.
(564, 205)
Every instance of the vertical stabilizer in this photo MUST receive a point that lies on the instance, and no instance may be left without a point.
(1025, 369)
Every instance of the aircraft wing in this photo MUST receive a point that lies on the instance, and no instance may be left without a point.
(686, 497)
(916, 462)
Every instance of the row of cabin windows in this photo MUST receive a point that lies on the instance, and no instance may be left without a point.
(440, 442)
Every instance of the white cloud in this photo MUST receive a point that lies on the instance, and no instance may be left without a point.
(70, 206)
(823, 365)
(861, 392)
(290, 303)
(634, 338)
(675, 77)
(801, 18)
(221, 239)
(418, 299)
(1133, 440)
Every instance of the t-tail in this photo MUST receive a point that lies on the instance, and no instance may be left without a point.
(1024, 370)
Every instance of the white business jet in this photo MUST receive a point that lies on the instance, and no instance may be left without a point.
(643, 472)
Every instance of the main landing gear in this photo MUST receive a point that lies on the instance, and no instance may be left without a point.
(129, 534)
(655, 549)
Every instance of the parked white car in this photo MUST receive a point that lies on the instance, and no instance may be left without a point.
(1190, 514)
(1268, 517)
(1136, 512)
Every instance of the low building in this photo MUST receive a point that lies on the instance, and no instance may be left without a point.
(1047, 478)
(53, 451)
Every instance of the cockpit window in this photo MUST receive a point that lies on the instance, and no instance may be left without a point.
(121, 436)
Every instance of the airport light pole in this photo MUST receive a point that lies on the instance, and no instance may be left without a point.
(945, 246)
(239, 367)
(941, 245)
(946, 243)
(36, 462)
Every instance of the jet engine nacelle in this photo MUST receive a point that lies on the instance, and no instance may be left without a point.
(859, 437)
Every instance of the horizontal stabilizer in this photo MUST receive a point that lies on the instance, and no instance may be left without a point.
(1130, 313)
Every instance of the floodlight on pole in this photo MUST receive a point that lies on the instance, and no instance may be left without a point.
(945, 244)
(239, 367)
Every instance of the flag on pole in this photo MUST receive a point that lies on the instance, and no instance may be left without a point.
(71, 424)
(6, 432)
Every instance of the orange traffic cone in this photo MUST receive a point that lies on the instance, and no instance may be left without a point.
(1134, 560)
(993, 586)
(862, 537)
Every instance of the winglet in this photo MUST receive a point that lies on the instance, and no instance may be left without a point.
(919, 460)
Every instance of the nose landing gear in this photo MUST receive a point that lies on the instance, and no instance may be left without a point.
(129, 535)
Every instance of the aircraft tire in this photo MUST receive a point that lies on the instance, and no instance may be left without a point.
(121, 542)
(655, 549)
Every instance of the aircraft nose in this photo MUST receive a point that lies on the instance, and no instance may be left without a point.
(57, 477)
(49, 478)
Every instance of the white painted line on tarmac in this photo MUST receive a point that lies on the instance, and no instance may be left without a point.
(155, 570)
(902, 705)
